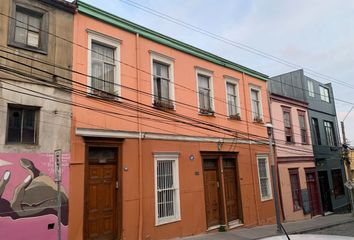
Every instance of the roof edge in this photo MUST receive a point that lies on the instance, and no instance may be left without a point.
(165, 40)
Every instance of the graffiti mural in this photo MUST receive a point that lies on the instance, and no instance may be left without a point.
(28, 196)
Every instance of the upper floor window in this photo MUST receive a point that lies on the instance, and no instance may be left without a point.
(205, 92)
(310, 88)
(330, 136)
(287, 125)
(324, 92)
(167, 200)
(256, 104)
(303, 129)
(22, 124)
(263, 177)
(316, 131)
(163, 86)
(233, 110)
(103, 65)
(28, 28)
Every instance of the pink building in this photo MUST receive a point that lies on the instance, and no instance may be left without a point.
(299, 192)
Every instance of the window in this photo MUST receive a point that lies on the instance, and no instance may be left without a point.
(162, 81)
(22, 124)
(316, 131)
(302, 124)
(103, 57)
(287, 125)
(295, 188)
(330, 136)
(233, 110)
(205, 92)
(324, 92)
(310, 87)
(28, 28)
(256, 104)
(264, 180)
(167, 188)
(337, 179)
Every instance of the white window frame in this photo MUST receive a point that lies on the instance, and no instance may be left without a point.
(235, 82)
(110, 42)
(155, 56)
(208, 73)
(324, 96)
(163, 156)
(269, 180)
(310, 88)
(256, 88)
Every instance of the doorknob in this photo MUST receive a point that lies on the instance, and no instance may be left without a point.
(117, 185)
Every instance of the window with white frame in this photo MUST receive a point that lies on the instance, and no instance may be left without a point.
(310, 88)
(233, 110)
(162, 81)
(324, 92)
(256, 104)
(167, 203)
(264, 178)
(205, 92)
(103, 56)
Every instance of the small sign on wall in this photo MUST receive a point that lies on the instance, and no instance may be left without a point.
(57, 165)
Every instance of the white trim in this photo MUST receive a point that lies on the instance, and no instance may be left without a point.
(168, 61)
(257, 88)
(109, 42)
(163, 156)
(235, 81)
(87, 132)
(268, 176)
(208, 73)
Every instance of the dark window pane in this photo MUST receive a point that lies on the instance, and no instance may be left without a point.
(28, 131)
(14, 125)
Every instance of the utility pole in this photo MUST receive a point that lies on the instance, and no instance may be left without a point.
(275, 189)
(345, 157)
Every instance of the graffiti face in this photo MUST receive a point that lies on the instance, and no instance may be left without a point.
(28, 192)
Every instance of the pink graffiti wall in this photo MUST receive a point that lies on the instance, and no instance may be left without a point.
(28, 196)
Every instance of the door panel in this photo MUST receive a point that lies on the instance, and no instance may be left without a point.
(231, 193)
(312, 189)
(101, 202)
(325, 191)
(212, 200)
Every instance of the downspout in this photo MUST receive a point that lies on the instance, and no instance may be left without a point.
(249, 147)
(140, 148)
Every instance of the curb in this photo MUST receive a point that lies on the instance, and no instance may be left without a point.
(321, 227)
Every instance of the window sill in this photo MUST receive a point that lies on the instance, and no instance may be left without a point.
(266, 199)
(108, 97)
(207, 114)
(29, 145)
(27, 48)
(168, 221)
(235, 117)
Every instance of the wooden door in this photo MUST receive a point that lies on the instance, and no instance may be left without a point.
(312, 189)
(101, 216)
(230, 189)
(211, 190)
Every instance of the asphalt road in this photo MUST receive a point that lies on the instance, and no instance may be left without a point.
(346, 229)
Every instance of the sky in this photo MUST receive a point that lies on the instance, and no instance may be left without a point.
(316, 35)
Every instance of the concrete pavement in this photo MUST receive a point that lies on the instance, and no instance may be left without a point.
(314, 224)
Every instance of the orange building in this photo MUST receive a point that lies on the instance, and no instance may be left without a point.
(168, 140)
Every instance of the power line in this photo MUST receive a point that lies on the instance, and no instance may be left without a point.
(231, 42)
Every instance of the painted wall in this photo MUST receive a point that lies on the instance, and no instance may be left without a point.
(27, 188)
(296, 149)
(193, 218)
(135, 54)
(287, 200)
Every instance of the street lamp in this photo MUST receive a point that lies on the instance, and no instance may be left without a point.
(269, 127)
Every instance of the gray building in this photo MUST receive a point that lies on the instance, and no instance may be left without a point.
(324, 133)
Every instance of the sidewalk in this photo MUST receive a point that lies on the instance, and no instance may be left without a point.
(316, 223)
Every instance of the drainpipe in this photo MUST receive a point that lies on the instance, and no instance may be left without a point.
(249, 148)
(140, 148)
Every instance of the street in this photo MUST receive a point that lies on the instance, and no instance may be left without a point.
(346, 229)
